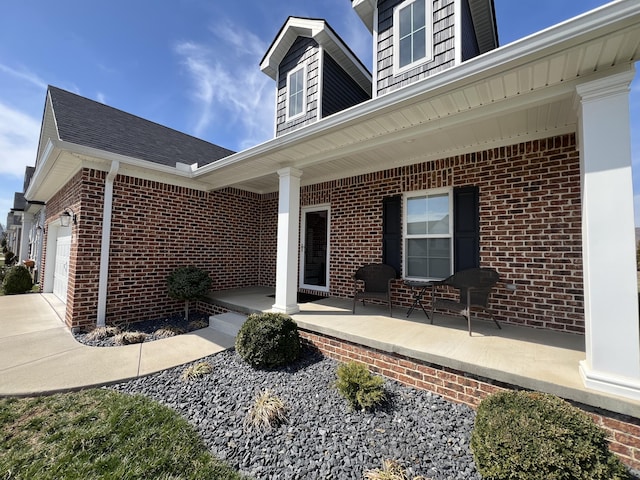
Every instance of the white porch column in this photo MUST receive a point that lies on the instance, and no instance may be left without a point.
(287, 254)
(608, 238)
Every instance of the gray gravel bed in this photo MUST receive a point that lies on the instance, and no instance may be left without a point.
(324, 438)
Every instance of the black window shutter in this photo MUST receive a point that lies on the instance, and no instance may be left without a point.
(392, 232)
(466, 228)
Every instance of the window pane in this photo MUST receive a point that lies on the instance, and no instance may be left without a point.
(296, 92)
(405, 21)
(405, 51)
(438, 213)
(429, 258)
(419, 45)
(417, 215)
(418, 15)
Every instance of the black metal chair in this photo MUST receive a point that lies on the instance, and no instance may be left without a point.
(375, 284)
(474, 285)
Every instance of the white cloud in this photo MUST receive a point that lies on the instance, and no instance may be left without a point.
(230, 90)
(31, 78)
(18, 141)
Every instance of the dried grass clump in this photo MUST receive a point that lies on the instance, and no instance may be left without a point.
(167, 332)
(128, 338)
(198, 324)
(196, 371)
(267, 411)
(391, 470)
(101, 333)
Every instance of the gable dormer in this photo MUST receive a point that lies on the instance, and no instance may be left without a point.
(418, 38)
(316, 74)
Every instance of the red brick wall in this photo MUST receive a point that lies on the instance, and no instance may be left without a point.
(82, 260)
(461, 387)
(530, 227)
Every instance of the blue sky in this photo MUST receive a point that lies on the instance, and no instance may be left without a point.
(189, 64)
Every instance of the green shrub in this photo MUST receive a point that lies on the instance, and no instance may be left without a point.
(268, 340)
(188, 283)
(9, 258)
(359, 386)
(536, 436)
(17, 280)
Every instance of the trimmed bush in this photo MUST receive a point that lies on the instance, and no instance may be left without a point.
(268, 340)
(17, 280)
(536, 436)
(188, 283)
(359, 386)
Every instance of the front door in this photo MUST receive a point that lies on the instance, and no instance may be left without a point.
(314, 249)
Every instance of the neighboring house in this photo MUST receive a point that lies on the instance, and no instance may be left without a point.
(516, 158)
(26, 234)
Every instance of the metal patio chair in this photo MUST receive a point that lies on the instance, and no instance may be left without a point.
(474, 286)
(373, 281)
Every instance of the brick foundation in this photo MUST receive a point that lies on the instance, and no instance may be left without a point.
(461, 387)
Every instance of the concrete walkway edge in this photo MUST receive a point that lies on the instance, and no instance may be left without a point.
(39, 355)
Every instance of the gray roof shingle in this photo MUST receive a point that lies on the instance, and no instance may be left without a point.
(93, 124)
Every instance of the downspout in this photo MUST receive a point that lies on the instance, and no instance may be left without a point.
(106, 243)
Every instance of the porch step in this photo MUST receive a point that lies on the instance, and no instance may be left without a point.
(228, 323)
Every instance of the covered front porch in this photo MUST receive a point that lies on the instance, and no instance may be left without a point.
(537, 359)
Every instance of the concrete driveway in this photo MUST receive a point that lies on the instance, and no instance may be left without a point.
(39, 355)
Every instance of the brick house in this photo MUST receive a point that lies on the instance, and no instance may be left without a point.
(533, 136)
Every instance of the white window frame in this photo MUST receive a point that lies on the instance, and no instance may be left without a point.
(428, 37)
(302, 68)
(406, 236)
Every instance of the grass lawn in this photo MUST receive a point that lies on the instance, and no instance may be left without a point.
(100, 434)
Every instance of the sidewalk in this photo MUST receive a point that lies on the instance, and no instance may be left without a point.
(39, 355)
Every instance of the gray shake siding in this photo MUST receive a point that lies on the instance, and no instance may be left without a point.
(339, 90)
(303, 51)
(443, 46)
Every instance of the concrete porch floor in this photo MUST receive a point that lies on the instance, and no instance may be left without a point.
(535, 359)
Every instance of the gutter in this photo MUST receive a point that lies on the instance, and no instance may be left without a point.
(106, 243)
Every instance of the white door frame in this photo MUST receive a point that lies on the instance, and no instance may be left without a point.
(303, 227)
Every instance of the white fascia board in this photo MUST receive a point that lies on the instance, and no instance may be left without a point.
(611, 17)
(365, 9)
(43, 164)
(345, 58)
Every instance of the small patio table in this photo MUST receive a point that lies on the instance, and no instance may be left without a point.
(418, 290)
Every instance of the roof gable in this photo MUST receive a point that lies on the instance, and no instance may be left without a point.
(326, 37)
(92, 124)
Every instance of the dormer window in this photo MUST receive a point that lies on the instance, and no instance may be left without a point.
(296, 86)
(412, 38)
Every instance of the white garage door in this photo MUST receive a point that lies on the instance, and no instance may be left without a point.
(61, 272)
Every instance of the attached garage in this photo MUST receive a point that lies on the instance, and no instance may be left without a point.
(61, 271)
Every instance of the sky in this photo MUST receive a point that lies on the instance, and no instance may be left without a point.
(192, 65)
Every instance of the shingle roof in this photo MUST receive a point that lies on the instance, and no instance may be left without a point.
(93, 124)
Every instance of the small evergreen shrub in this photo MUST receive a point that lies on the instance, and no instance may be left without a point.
(359, 386)
(17, 280)
(268, 340)
(267, 411)
(536, 436)
(187, 284)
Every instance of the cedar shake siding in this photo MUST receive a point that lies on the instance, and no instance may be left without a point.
(339, 90)
(304, 51)
(443, 46)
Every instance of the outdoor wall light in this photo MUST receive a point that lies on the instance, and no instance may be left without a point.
(67, 216)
